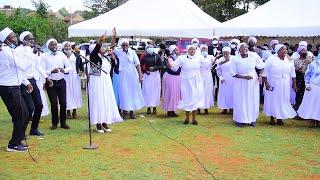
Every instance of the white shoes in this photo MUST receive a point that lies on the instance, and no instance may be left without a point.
(100, 131)
(107, 130)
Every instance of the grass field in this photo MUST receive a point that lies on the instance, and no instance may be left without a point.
(134, 150)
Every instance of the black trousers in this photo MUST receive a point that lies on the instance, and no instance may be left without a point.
(55, 93)
(33, 102)
(17, 108)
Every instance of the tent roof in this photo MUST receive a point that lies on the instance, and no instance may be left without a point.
(150, 18)
(292, 18)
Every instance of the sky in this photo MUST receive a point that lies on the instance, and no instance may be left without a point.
(55, 5)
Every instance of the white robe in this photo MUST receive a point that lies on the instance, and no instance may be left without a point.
(205, 69)
(246, 92)
(277, 102)
(225, 95)
(131, 97)
(103, 105)
(192, 91)
(73, 86)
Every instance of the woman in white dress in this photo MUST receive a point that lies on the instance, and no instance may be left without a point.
(131, 98)
(225, 95)
(278, 73)
(73, 84)
(192, 91)
(246, 86)
(206, 63)
(103, 105)
(310, 106)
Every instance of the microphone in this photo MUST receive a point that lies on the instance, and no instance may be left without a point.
(37, 47)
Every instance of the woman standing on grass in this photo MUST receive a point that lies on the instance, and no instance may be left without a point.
(206, 63)
(310, 106)
(171, 85)
(103, 106)
(192, 91)
(279, 71)
(246, 86)
(225, 95)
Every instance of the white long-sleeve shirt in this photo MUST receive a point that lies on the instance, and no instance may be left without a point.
(25, 53)
(49, 62)
(11, 69)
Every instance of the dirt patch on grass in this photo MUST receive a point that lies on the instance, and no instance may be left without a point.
(125, 152)
(313, 177)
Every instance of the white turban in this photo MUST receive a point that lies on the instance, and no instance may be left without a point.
(227, 48)
(235, 41)
(195, 40)
(5, 33)
(172, 48)
(278, 47)
(202, 46)
(51, 40)
(303, 43)
(123, 40)
(191, 46)
(273, 42)
(23, 35)
(239, 45)
(91, 47)
(73, 43)
(65, 42)
(253, 39)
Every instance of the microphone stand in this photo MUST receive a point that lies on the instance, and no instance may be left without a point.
(90, 146)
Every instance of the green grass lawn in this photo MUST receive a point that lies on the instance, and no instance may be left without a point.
(134, 150)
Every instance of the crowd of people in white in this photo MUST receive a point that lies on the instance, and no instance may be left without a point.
(121, 83)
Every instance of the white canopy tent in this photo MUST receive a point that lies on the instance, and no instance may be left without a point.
(282, 18)
(150, 18)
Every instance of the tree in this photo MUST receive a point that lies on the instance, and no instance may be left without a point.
(64, 12)
(41, 7)
(100, 6)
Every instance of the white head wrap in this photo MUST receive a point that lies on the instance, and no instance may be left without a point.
(278, 47)
(202, 46)
(91, 47)
(5, 33)
(303, 43)
(195, 40)
(239, 45)
(215, 39)
(274, 41)
(123, 40)
(65, 42)
(253, 39)
(49, 41)
(235, 41)
(23, 35)
(227, 48)
(73, 43)
(172, 48)
(191, 46)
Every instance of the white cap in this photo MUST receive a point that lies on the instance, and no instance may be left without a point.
(51, 40)
(227, 48)
(5, 33)
(252, 39)
(278, 47)
(273, 42)
(172, 48)
(235, 41)
(23, 35)
(195, 40)
(303, 43)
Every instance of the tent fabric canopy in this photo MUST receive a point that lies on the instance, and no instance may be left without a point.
(150, 18)
(276, 18)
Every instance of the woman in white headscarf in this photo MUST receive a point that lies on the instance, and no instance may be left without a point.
(192, 91)
(171, 85)
(225, 95)
(310, 106)
(206, 63)
(278, 72)
(73, 83)
(246, 86)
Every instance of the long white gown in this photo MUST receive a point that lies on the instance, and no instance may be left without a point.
(246, 92)
(192, 90)
(103, 105)
(73, 86)
(206, 64)
(225, 95)
(130, 92)
(277, 102)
